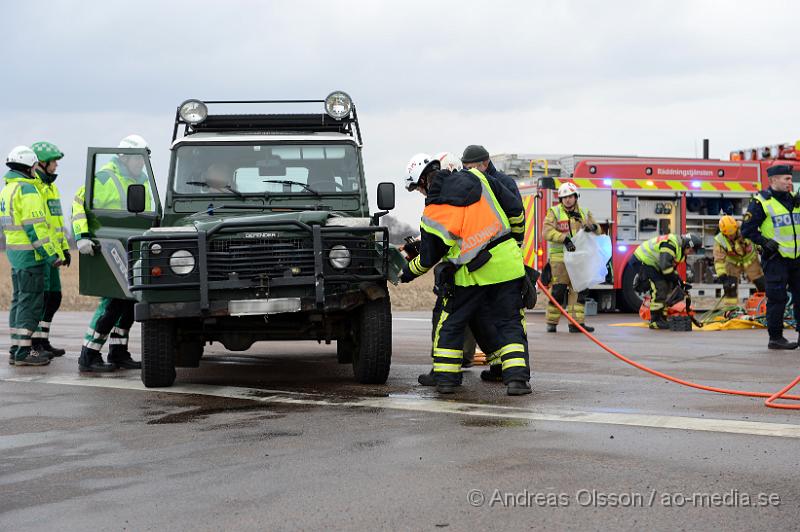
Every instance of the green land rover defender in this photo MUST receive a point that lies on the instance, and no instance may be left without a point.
(264, 234)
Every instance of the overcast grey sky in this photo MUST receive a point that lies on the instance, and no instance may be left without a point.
(646, 78)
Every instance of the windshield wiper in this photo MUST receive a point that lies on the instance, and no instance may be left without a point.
(298, 183)
(198, 183)
(238, 194)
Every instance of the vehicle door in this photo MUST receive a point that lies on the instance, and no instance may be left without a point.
(109, 173)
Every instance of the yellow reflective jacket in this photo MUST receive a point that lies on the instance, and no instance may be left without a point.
(650, 251)
(53, 214)
(80, 225)
(559, 225)
(469, 230)
(111, 187)
(22, 214)
(740, 252)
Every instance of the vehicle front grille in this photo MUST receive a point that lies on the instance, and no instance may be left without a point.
(250, 258)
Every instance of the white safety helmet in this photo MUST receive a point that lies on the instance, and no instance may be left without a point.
(22, 155)
(567, 189)
(134, 141)
(416, 167)
(449, 161)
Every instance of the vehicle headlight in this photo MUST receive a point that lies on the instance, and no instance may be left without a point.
(155, 249)
(338, 105)
(181, 262)
(193, 111)
(339, 257)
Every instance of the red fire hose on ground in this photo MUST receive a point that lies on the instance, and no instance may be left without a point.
(770, 398)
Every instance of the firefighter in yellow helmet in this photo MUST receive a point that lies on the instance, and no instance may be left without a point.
(734, 255)
(561, 223)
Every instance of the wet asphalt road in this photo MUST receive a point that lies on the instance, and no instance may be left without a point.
(280, 438)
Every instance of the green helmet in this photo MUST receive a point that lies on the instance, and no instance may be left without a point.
(46, 151)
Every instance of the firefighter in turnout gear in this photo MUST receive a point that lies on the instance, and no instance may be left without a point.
(656, 261)
(113, 318)
(772, 221)
(733, 256)
(562, 222)
(415, 180)
(466, 225)
(49, 155)
(30, 251)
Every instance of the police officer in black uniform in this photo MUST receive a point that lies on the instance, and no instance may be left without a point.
(772, 221)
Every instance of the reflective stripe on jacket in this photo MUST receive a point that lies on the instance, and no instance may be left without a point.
(781, 225)
(649, 252)
(54, 215)
(740, 252)
(80, 225)
(111, 187)
(471, 229)
(22, 213)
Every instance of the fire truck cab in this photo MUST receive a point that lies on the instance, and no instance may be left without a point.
(637, 198)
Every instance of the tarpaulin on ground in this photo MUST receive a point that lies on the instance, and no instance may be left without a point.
(726, 325)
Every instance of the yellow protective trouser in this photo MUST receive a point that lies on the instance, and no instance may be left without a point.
(753, 271)
(561, 288)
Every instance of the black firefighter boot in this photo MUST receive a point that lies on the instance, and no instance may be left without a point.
(119, 356)
(493, 374)
(657, 320)
(574, 329)
(92, 361)
(781, 343)
(518, 388)
(426, 379)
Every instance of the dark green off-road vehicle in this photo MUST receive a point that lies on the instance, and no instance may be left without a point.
(265, 234)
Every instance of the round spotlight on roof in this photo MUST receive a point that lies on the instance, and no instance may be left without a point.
(193, 111)
(338, 105)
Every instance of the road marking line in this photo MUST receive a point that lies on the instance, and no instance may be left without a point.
(432, 405)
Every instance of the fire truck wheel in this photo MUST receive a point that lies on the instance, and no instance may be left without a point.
(158, 353)
(631, 299)
(372, 359)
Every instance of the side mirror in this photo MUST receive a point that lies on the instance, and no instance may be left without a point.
(136, 198)
(386, 196)
(547, 183)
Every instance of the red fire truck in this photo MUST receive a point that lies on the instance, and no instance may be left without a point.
(637, 198)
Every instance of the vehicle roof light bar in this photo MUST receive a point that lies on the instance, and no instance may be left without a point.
(340, 117)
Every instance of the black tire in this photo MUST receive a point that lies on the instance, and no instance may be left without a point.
(373, 356)
(344, 350)
(159, 342)
(631, 299)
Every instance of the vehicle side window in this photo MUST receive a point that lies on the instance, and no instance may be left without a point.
(113, 174)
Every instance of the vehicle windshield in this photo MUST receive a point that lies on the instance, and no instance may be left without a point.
(267, 169)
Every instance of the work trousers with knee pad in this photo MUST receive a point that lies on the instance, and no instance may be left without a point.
(496, 316)
(113, 317)
(469, 339)
(52, 302)
(562, 291)
(781, 273)
(27, 301)
(754, 274)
